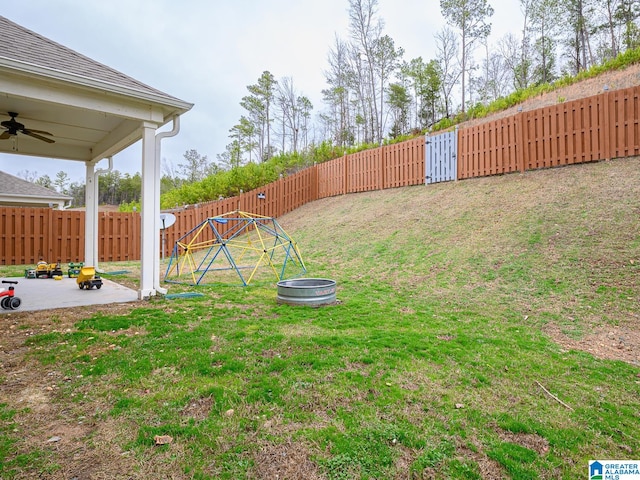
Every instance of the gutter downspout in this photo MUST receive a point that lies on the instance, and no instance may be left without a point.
(96, 174)
(159, 136)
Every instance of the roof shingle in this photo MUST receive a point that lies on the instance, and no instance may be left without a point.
(10, 185)
(23, 45)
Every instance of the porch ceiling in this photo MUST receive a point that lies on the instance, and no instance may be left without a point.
(85, 124)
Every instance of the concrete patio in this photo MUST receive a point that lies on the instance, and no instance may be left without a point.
(48, 293)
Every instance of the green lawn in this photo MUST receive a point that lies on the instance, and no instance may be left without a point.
(436, 362)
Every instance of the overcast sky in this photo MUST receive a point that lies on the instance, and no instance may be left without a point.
(207, 52)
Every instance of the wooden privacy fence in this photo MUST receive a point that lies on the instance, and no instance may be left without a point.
(601, 127)
(389, 166)
(28, 235)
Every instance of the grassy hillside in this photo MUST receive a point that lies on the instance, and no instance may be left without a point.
(553, 245)
(486, 328)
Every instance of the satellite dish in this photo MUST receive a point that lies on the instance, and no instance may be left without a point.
(166, 220)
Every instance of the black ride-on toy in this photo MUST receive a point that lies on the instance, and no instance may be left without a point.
(8, 299)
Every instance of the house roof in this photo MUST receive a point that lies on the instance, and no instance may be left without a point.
(92, 111)
(19, 192)
(33, 52)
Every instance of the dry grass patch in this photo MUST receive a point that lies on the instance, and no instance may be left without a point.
(289, 460)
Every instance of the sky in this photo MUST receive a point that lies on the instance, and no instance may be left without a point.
(207, 52)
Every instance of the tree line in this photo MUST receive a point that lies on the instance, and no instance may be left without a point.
(374, 95)
(374, 92)
(114, 188)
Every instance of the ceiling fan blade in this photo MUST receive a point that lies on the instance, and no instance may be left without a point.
(5, 135)
(39, 137)
(37, 131)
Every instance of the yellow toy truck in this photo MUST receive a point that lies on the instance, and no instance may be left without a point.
(87, 279)
(48, 270)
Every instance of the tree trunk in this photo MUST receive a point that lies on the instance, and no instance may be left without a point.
(614, 47)
(464, 68)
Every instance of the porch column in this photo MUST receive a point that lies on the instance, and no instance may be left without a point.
(150, 215)
(90, 217)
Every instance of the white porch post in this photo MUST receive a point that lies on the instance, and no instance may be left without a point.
(174, 131)
(150, 214)
(91, 217)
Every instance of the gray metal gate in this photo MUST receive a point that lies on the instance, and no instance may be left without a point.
(441, 157)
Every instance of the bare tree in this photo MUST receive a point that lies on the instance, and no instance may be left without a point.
(340, 78)
(170, 176)
(580, 14)
(497, 76)
(366, 30)
(295, 110)
(509, 48)
(28, 175)
(446, 57)
(470, 17)
(363, 104)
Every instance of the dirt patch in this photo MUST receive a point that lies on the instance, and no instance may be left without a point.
(489, 469)
(534, 442)
(620, 342)
(199, 408)
(82, 447)
(404, 459)
(286, 460)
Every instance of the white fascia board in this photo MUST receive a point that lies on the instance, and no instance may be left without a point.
(69, 78)
(23, 198)
(82, 98)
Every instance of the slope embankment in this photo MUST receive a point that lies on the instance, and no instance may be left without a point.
(559, 247)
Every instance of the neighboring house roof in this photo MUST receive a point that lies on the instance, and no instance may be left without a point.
(19, 44)
(15, 191)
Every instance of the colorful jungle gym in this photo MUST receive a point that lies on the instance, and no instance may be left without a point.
(223, 246)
